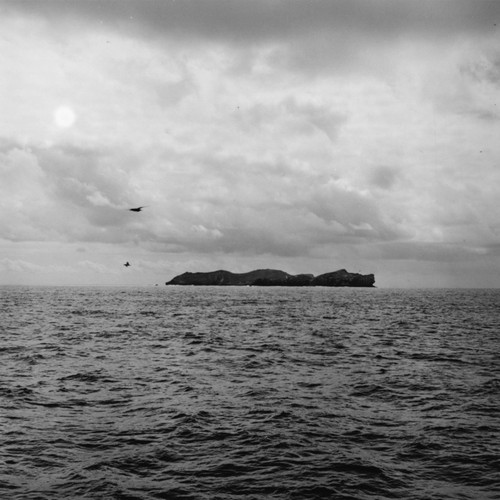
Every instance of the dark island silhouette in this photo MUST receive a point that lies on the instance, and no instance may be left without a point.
(273, 277)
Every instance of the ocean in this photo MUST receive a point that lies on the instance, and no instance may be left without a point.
(249, 393)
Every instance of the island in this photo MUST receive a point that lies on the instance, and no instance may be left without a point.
(273, 277)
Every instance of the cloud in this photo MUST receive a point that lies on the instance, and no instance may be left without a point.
(62, 192)
(22, 266)
(430, 251)
(317, 115)
(293, 35)
(240, 20)
(383, 177)
(284, 130)
(466, 83)
(96, 267)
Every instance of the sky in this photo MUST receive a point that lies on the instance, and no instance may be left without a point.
(307, 136)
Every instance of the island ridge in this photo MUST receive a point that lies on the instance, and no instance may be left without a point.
(273, 277)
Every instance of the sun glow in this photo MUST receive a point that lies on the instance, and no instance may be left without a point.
(64, 116)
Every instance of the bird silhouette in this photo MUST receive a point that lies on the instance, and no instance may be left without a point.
(127, 264)
(138, 209)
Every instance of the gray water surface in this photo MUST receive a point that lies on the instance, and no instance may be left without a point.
(249, 393)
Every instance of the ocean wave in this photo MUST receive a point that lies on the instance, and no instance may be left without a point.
(249, 394)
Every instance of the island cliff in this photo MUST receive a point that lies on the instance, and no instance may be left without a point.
(273, 277)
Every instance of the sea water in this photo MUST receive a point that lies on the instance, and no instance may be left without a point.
(249, 393)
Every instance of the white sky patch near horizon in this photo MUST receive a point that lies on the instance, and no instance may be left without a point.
(309, 148)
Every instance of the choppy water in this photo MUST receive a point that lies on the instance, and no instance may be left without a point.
(249, 393)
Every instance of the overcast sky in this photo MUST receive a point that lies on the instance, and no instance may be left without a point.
(306, 136)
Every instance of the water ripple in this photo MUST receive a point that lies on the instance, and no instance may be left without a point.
(247, 393)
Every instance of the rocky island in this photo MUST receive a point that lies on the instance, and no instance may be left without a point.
(273, 277)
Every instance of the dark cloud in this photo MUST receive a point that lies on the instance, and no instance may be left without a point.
(483, 69)
(65, 193)
(493, 249)
(82, 177)
(255, 20)
(317, 116)
(383, 177)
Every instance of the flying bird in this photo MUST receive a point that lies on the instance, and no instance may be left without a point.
(127, 264)
(138, 209)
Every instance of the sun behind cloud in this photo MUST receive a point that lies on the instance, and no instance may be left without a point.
(64, 116)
